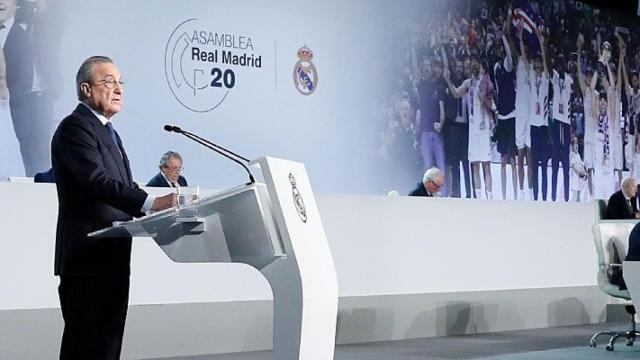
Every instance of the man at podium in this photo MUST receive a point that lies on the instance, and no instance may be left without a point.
(95, 188)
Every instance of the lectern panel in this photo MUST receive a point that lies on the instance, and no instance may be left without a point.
(234, 225)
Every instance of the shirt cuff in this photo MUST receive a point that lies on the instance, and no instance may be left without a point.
(148, 203)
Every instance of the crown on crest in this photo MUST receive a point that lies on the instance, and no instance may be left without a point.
(304, 53)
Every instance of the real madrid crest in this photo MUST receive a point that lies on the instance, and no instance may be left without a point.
(297, 199)
(305, 75)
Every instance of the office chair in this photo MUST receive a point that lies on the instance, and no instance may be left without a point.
(611, 241)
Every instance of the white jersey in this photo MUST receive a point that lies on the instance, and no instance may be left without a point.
(603, 180)
(479, 124)
(633, 99)
(523, 106)
(561, 96)
(523, 91)
(634, 102)
(590, 129)
(616, 139)
(539, 98)
(577, 167)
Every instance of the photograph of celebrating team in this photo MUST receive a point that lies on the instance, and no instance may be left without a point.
(527, 100)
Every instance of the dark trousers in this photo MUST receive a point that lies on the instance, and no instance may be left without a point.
(94, 309)
(561, 136)
(539, 158)
(457, 151)
(33, 124)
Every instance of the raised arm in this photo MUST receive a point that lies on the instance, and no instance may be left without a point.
(417, 75)
(543, 52)
(619, 77)
(445, 59)
(594, 81)
(612, 83)
(507, 42)
(594, 95)
(611, 97)
(581, 79)
(622, 67)
(523, 51)
(457, 92)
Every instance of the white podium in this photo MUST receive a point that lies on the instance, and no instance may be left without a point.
(273, 226)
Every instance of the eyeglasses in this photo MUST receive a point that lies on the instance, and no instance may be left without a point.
(436, 184)
(110, 83)
(174, 168)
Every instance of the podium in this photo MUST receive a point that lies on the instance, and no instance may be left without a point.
(273, 226)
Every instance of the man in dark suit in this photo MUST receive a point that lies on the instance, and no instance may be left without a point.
(31, 82)
(622, 204)
(95, 188)
(169, 175)
(432, 182)
(633, 253)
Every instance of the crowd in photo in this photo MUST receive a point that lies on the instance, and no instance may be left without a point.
(548, 91)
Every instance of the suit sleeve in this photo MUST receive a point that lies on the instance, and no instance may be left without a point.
(79, 154)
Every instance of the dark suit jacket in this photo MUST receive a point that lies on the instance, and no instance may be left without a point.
(633, 254)
(617, 207)
(160, 181)
(420, 190)
(20, 60)
(94, 189)
(44, 177)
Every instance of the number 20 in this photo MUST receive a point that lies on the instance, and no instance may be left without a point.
(228, 78)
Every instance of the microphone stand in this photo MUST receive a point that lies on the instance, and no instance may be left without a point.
(217, 148)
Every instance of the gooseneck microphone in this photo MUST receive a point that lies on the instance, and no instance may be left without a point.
(215, 147)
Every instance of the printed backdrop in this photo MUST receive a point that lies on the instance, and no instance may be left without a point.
(327, 84)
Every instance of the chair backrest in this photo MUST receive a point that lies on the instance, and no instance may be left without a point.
(611, 242)
(601, 209)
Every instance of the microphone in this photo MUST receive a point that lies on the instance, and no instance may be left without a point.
(215, 147)
(171, 128)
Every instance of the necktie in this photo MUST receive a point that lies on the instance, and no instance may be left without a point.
(112, 132)
(629, 206)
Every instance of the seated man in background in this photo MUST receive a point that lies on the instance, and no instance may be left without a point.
(431, 183)
(622, 204)
(169, 175)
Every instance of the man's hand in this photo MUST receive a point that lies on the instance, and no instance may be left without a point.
(164, 202)
(519, 28)
(580, 42)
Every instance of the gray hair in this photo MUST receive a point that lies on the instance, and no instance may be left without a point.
(431, 174)
(85, 72)
(626, 181)
(164, 160)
